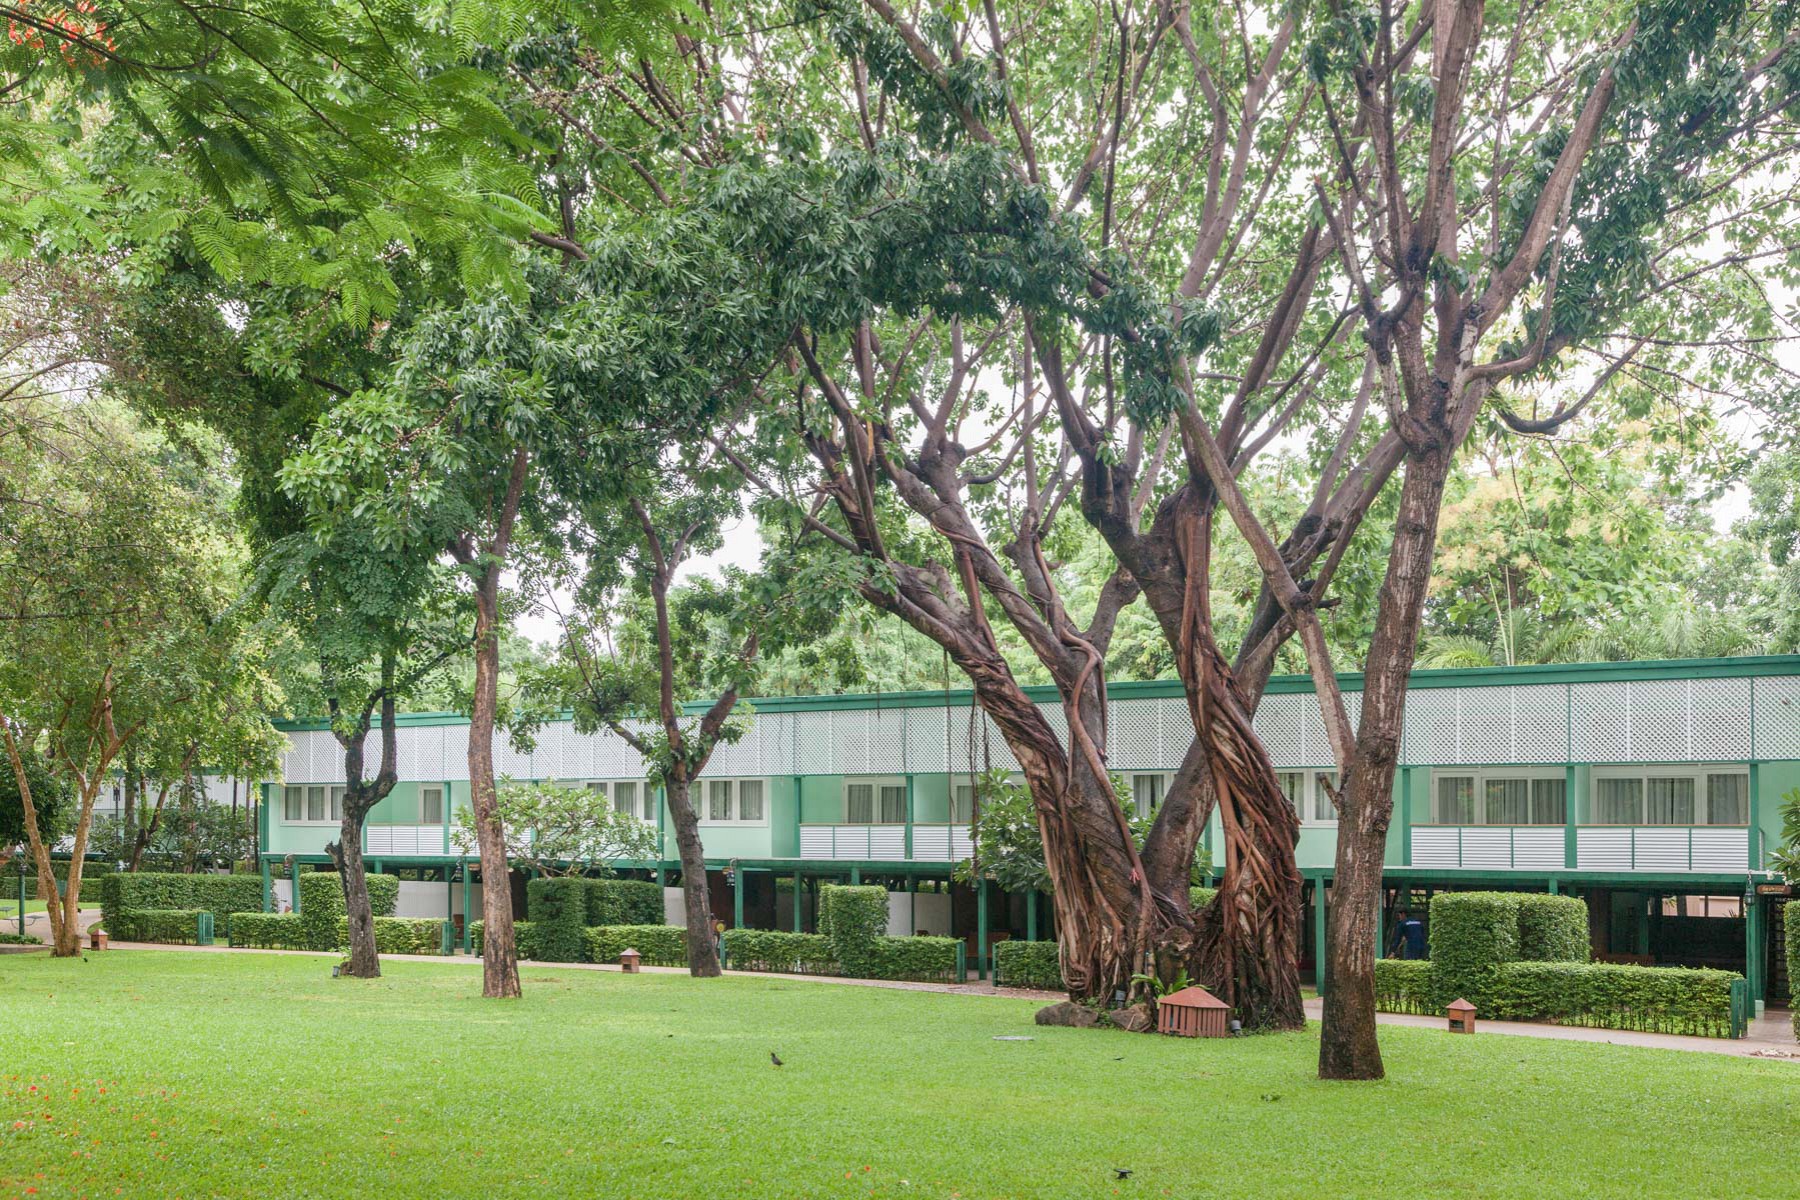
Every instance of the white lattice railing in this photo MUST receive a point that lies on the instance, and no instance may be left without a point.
(884, 843)
(1662, 848)
(1489, 847)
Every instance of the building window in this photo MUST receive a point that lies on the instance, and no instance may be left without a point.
(1671, 796)
(1147, 792)
(1324, 810)
(631, 797)
(335, 803)
(1293, 786)
(315, 803)
(874, 802)
(962, 803)
(735, 802)
(1549, 801)
(1502, 797)
(291, 800)
(431, 805)
(1306, 791)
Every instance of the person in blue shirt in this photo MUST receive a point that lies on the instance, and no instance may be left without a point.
(1409, 937)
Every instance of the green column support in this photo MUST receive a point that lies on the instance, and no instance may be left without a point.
(1553, 886)
(449, 802)
(1319, 935)
(981, 929)
(799, 900)
(294, 884)
(1406, 811)
(263, 867)
(855, 876)
(449, 893)
(1753, 949)
(1031, 907)
(1570, 825)
(737, 899)
(1755, 831)
(909, 815)
(467, 933)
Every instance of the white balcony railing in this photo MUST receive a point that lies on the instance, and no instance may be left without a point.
(1662, 848)
(403, 839)
(884, 843)
(1488, 847)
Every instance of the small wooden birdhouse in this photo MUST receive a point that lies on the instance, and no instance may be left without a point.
(1462, 1016)
(1192, 1012)
(628, 961)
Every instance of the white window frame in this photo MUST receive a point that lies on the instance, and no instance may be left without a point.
(443, 791)
(736, 783)
(1697, 773)
(331, 802)
(1482, 776)
(1312, 798)
(1163, 780)
(959, 781)
(875, 783)
(647, 800)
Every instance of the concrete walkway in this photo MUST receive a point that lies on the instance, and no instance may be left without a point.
(1770, 1036)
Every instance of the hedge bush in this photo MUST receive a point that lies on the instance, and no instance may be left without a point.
(922, 958)
(1405, 987)
(122, 894)
(772, 950)
(1029, 965)
(268, 931)
(401, 935)
(1790, 916)
(1552, 928)
(624, 902)
(853, 917)
(1200, 897)
(524, 938)
(178, 925)
(557, 910)
(20, 939)
(92, 872)
(322, 904)
(658, 945)
(1472, 933)
(1615, 996)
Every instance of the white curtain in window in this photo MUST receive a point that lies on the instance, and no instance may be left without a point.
(1508, 802)
(1146, 793)
(1549, 801)
(750, 800)
(893, 804)
(625, 798)
(1455, 800)
(718, 800)
(1619, 801)
(1293, 786)
(431, 806)
(336, 810)
(859, 803)
(315, 804)
(290, 803)
(1323, 808)
(1670, 800)
(1728, 799)
(962, 804)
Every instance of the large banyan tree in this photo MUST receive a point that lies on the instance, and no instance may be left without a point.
(1041, 272)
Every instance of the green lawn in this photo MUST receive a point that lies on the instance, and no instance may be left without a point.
(182, 1074)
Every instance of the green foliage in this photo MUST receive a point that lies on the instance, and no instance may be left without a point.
(269, 931)
(1028, 965)
(1790, 915)
(1472, 933)
(557, 910)
(658, 945)
(124, 895)
(51, 799)
(920, 958)
(1613, 996)
(558, 830)
(401, 935)
(1200, 897)
(624, 902)
(524, 938)
(20, 939)
(774, 950)
(179, 925)
(852, 918)
(1786, 858)
(322, 904)
(1406, 987)
(1552, 928)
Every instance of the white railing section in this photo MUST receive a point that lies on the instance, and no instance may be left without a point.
(1662, 848)
(1488, 847)
(884, 843)
(403, 839)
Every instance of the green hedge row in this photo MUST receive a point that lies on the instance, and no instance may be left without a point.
(1473, 934)
(1552, 929)
(1200, 897)
(919, 958)
(773, 950)
(178, 925)
(1028, 965)
(624, 902)
(657, 945)
(401, 935)
(524, 939)
(288, 931)
(852, 918)
(92, 872)
(1790, 914)
(557, 909)
(268, 931)
(20, 939)
(322, 904)
(1600, 995)
(221, 895)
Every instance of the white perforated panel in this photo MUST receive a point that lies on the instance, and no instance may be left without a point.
(1487, 849)
(1541, 724)
(1720, 720)
(1660, 721)
(1778, 717)
(887, 742)
(1721, 850)
(1136, 737)
(927, 738)
(1281, 724)
(1603, 849)
(1600, 722)
(1429, 727)
(1436, 846)
(1485, 724)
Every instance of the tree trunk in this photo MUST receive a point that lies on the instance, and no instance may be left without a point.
(359, 915)
(499, 949)
(1348, 1048)
(703, 955)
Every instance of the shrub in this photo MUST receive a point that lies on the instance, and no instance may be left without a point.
(1472, 933)
(524, 938)
(122, 894)
(401, 935)
(1614, 996)
(1029, 965)
(658, 945)
(557, 910)
(157, 924)
(20, 939)
(772, 950)
(624, 902)
(92, 872)
(1552, 929)
(322, 904)
(268, 931)
(1405, 987)
(1790, 915)
(1200, 897)
(853, 917)
(912, 958)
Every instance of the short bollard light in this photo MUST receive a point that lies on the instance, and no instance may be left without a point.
(1462, 1016)
(628, 961)
(98, 938)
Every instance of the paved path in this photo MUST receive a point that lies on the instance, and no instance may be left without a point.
(1770, 1036)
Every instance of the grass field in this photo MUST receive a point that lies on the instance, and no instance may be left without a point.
(183, 1074)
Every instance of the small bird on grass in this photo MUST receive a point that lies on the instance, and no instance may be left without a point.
(775, 1058)
(1121, 1173)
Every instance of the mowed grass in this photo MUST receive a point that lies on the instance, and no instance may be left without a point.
(193, 1074)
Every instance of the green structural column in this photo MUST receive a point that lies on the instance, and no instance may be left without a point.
(1031, 905)
(1553, 885)
(799, 900)
(855, 876)
(1755, 848)
(268, 886)
(1569, 818)
(981, 929)
(1406, 779)
(1319, 935)
(294, 885)
(1753, 949)
(467, 933)
(737, 899)
(449, 893)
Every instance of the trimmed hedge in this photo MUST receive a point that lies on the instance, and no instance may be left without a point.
(268, 931)
(852, 917)
(401, 935)
(524, 938)
(178, 925)
(92, 872)
(658, 945)
(557, 909)
(1790, 916)
(322, 904)
(921, 958)
(1552, 928)
(1615, 996)
(1029, 965)
(624, 902)
(1472, 933)
(1405, 987)
(124, 894)
(1200, 897)
(20, 939)
(772, 950)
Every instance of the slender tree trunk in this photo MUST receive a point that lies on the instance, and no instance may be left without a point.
(1348, 1048)
(359, 915)
(499, 947)
(703, 955)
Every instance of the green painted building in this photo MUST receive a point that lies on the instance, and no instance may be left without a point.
(1650, 789)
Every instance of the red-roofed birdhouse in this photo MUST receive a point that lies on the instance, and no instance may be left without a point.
(1192, 1012)
(1462, 1016)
